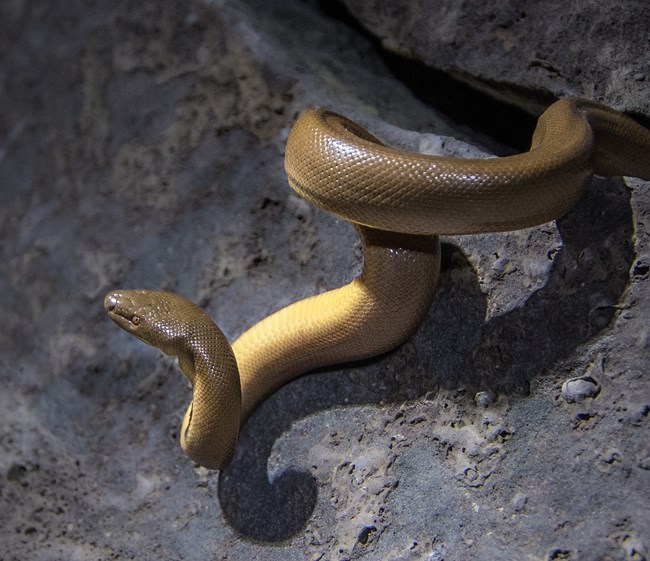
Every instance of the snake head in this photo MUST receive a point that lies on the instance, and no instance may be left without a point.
(155, 317)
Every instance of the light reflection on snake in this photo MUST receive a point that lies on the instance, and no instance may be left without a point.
(399, 203)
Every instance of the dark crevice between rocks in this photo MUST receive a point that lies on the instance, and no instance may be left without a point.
(640, 118)
(462, 97)
(453, 96)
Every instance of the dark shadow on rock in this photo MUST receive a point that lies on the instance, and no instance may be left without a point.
(260, 510)
(455, 348)
(455, 97)
(589, 276)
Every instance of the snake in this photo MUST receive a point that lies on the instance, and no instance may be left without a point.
(399, 202)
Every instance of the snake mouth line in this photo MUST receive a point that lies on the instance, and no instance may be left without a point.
(123, 322)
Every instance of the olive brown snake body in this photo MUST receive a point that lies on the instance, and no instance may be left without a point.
(399, 202)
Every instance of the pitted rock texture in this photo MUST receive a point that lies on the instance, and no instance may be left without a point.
(141, 146)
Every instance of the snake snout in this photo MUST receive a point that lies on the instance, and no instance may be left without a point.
(111, 301)
(117, 303)
(120, 309)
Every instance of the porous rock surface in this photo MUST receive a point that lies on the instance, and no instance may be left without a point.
(141, 145)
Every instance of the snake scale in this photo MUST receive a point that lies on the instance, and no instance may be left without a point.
(399, 202)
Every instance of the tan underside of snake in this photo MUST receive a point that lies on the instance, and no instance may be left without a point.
(400, 202)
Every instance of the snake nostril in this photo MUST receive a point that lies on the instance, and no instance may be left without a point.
(110, 302)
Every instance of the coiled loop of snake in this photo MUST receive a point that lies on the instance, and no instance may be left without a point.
(399, 202)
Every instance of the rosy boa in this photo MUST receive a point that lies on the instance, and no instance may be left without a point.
(399, 202)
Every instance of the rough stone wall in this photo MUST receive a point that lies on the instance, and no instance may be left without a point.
(141, 145)
(524, 50)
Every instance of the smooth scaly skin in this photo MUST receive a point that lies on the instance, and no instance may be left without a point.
(338, 166)
(400, 202)
(180, 328)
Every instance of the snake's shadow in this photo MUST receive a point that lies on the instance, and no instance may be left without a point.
(501, 355)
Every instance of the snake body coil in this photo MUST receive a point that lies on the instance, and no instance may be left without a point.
(399, 202)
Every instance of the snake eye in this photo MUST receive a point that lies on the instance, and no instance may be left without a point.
(135, 320)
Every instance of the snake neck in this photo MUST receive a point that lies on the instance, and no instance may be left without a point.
(371, 315)
(211, 422)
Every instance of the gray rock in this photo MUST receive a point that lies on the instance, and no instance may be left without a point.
(579, 389)
(519, 503)
(587, 48)
(484, 399)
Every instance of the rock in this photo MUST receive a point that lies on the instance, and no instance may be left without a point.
(560, 554)
(519, 503)
(509, 50)
(579, 389)
(484, 399)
